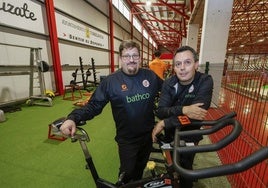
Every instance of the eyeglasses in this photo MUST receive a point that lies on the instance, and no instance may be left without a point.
(186, 63)
(128, 57)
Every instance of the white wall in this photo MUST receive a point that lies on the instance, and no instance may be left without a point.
(88, 15)
(16, 30)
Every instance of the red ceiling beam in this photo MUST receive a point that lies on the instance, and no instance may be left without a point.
(182, 13)
(159, 4)
(171, 32)
(162, 20)
(168, 26)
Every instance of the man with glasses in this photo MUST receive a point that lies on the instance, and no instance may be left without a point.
(131, 91)
(188, 92)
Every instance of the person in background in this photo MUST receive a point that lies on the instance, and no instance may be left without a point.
(188, 92)
(131, 92)
(157, 65)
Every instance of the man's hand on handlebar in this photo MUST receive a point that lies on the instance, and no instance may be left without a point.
(68, 128)
(157, 130)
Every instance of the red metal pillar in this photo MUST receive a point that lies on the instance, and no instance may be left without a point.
(131, 21)
(111, 20)
(191, 5)
(142, 62)
(54, 45)
(148, 49)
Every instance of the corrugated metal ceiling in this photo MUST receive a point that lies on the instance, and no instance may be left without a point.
(167, 20)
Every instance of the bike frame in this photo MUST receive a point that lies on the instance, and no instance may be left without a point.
(170, 179)
(160, 181)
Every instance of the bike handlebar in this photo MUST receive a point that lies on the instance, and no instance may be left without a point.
(220, 170)
(208, 172)
(83, 136)
(237, 129)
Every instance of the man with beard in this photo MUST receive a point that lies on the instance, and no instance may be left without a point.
(131, 92)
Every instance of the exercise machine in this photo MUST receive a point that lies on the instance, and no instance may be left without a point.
(85, 75)
(161, 180)
(170, 178)
(214, 171)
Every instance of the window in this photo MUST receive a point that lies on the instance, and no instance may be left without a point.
(115, 3)
(121, 6)
(137, 24)
(126, 13)
(145, 34)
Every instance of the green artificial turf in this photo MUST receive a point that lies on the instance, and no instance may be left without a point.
(29, 159)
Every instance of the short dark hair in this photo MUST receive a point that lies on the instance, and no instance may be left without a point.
(125, 44)
(188, 48)
(157, 53)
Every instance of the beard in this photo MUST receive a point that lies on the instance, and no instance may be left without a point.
(131, 68)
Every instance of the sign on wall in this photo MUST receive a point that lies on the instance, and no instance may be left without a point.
(72, 30)
(27, 15)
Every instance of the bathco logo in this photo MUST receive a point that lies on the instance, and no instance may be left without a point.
(23, 11)
(137, 97)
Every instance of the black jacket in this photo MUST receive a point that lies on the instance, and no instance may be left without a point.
(174, 96)
(132, 101)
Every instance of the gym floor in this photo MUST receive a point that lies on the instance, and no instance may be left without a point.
(30, 159)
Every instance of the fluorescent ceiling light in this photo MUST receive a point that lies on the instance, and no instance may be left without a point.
(148, 3)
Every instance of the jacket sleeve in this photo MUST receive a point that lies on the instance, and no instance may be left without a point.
(182, 122)
(203, 94)
(165, 106)
(93, 108)
(171, 122)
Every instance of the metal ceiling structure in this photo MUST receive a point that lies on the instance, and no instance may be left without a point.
(166, 21)
(249, 27)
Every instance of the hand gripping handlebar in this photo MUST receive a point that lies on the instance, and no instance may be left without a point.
(220, 170)
(81, 134)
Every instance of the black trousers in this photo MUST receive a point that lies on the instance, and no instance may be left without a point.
(134, 157)
(186, 160)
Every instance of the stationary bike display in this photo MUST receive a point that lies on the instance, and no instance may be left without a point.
(170, 179)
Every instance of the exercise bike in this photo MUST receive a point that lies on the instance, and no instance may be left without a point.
(166, 180)
(170, 178)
